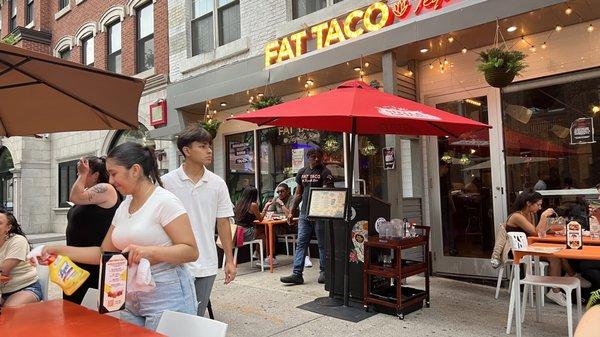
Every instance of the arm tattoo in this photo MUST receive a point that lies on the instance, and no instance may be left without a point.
(99, 189)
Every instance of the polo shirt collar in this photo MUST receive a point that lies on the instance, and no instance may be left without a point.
(184, 177)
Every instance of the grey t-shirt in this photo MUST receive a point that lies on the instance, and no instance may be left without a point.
(319, 176)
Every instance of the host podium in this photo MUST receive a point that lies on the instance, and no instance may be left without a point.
(365, 208)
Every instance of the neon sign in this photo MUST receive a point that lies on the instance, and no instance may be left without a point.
(375, 17)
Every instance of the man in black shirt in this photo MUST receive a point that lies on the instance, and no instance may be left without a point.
(313, 175)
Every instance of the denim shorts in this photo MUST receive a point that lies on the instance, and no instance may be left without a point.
(35, 288)
(174, 291)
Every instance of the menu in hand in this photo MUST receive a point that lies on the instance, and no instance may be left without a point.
(574, 235)
(113, 282)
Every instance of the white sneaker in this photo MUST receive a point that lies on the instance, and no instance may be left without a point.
(558, 298)
(265, 262)
(584, 283)
(307, 262)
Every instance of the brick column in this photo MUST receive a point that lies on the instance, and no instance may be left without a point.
(161, 37)
(128, 45)
(100, 50)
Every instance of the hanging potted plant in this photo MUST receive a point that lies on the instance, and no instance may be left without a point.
(368, 149)
(330, 145)
(265, 101)
(212, 126)
(500, 66)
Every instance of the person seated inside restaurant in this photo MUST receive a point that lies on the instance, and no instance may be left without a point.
(280, 206)
(19, 282)
(246, 211)
(525, 208)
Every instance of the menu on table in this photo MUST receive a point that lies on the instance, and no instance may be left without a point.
(574, 235)
(113, 282)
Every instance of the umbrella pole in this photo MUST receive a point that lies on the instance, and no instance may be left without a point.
(349, 213)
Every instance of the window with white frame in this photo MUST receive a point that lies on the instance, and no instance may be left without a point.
(304, 7)
(114, 47)
(29, 14)
(87, 50)
(205, 23)
(12, 23)
(145, 37)
(62, 4)
(65, 54)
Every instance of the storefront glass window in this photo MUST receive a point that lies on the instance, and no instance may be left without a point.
(283, 153)
(6, 179)
(370, 158)
(465, 184)
(240, 166)
(549, 143)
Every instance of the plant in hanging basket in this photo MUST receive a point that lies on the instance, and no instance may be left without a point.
(368, 149)
(212, 126)
(330, 145)
(500, 66)
(265, 101)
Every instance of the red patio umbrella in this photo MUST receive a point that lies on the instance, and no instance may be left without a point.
(355, 107)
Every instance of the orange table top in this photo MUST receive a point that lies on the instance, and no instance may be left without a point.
(65, 319)
(586, 253)
(550, 238)
(274, 221)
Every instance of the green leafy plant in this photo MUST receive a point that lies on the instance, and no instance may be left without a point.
(265, 101)
(9, 39)
(500, 59)
(212, 126)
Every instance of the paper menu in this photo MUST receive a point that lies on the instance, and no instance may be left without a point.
(112, 282)
(574, 235)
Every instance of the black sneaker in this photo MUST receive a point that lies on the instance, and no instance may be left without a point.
(292, 279)
(321, 278)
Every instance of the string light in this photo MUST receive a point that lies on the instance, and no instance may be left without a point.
(544, 46)
(430, 65)
(558, 28)
(450, 39)
(568, 11)
(590, 28)
(595, 109)
(464, 50)
(367, 64)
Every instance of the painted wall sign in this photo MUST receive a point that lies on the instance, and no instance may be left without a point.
(375, 17)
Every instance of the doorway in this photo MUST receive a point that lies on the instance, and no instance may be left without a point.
(467, 186)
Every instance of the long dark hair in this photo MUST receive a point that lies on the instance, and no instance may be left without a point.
(98, 164)
(130, 153)
(249, 195)
(524, 197)
(15, 228)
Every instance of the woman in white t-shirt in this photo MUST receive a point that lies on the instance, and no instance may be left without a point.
(150, 223)
(18, 279)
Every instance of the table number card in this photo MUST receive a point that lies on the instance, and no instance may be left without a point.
(574, 235)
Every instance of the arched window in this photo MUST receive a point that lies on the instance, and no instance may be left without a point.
(6, 181)
(137, 135)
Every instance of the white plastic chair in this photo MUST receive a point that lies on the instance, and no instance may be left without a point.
(44, 279)
(509, 271)
(177, 324)
(289, 238)
(90, 299)
(518, 241)
(251, 244)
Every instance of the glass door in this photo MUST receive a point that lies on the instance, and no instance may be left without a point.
(466, 187)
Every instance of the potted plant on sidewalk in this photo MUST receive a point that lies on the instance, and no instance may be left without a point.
(500, 66)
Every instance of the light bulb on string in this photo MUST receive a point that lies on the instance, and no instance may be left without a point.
(590, 28)
(532, 49)
(450, 39)
(558, 28)
(430, 65)
(544, 45)
(464, 50)
(568, 11)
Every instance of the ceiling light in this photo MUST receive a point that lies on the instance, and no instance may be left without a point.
(511, 29)
(595, 109)
(223, 104)
(473, 102)
(450, 39)
(367, 64)
(558, 28)
(356, 68)
(568, 11)
(590, 28)
(424, 50)
(464, 50)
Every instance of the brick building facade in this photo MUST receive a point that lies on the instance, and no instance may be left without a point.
(41, 174)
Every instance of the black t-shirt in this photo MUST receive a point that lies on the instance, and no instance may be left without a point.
(319, 176)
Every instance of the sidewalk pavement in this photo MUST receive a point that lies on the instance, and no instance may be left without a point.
(258, 304)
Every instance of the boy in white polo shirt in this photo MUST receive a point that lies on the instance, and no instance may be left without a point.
(206, 199)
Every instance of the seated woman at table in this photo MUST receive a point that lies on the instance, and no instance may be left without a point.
(22, 286)
(246, 211)
(281, 205)
(151, 223)
(526, 206)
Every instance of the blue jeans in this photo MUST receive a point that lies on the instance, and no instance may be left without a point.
(174, 291)
(35, 288)
(305, 230)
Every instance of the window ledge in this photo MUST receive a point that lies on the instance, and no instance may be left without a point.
(145, 74)
(61, 210)
(62, 12)
(322, 15)
(229, 50)
(30, 25)
(77, 2)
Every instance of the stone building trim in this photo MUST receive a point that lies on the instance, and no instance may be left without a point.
(111, 15)
(85, 30)
(62, 44)
(133, 4)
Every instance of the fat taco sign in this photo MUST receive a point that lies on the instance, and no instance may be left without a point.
(356, 23)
